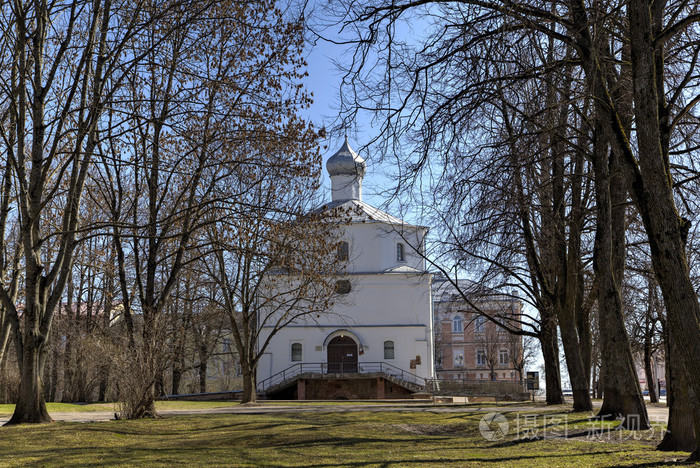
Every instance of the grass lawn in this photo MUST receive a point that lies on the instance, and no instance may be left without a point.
(7, 410)
(332, 439)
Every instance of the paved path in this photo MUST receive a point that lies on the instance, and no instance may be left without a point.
(656, 413)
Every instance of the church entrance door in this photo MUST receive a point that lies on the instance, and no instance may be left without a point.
(342, 355)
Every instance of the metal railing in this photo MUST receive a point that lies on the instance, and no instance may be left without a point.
(340, 369)
(475, 387)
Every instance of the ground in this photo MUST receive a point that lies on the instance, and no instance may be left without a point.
(341, 434)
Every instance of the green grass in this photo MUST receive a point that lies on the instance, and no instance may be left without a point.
(325, 438)
(7, 410)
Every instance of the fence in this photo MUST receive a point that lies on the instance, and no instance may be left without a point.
(475, 388)
(340, 369)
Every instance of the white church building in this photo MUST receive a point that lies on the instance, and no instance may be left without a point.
(377, 342)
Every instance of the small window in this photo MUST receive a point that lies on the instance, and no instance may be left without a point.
(343, 251)
(296, 352)
(480, 357)
(343, 287)
(400, 252)
(479, 322)
(459, 360)
(388, 350)
(503, 357)
(457, 324)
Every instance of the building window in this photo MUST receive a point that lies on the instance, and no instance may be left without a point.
(457, 324)
(480, 357)
(343, 287)
(400, 252)
(503, 357)
(479, 323)
(459, 360)
(296, 352)
(388, 350)
(343, 251)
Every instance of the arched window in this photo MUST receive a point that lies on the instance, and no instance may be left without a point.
(343, 251)
(400, 252)
(388, 350)
(296, 352)
(457, 324)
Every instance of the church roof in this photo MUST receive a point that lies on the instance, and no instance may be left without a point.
(445, 291)
(403, 269)
(361, 212)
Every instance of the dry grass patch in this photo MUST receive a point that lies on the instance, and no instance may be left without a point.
(325, 438)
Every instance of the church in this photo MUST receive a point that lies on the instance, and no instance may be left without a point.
(377, 342)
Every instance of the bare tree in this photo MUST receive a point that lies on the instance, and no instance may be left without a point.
(662, 57)
(275, 266)
(62, 63)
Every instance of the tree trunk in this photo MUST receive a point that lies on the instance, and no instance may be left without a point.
(679, 434)
(249, 390)
(550, 353)
(203, 376)
(30, 407)
(3, 382)
(594, 381)
(574, 364)
(177, 376)
(104, 378)
(651, 381)
(666, 230)
(622, 395)
(54, 376)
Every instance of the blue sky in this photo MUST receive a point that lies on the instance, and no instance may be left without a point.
(324, 82)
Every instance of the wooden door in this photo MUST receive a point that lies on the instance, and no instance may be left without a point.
(342, 355)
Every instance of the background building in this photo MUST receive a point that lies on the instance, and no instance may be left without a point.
(469, 346)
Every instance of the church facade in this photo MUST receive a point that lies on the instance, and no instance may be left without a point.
(382, 321)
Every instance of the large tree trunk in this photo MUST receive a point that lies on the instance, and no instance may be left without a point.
(679, 435)
(549, 343)
(666, 231)
(30, 407)
(574, 364)
(622, 394)
(249, 390)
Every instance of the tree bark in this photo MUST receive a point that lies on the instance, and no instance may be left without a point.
(666, 230)
(651, 381)
(622, 394)
(549, 342)
(30, 407)
(679, 434)
(249, 390)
